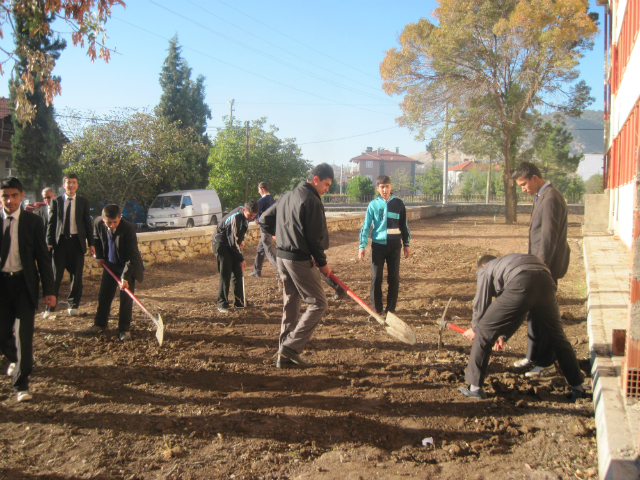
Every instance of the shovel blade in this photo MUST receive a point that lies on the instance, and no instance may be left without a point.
(400, 330)
(160, 329)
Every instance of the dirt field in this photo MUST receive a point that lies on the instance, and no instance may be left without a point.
(210, 404)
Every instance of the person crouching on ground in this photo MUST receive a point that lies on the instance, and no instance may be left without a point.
(389, 239)
(228, 242)
(116, 245)
(521, 283)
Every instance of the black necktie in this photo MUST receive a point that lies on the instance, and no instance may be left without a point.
(6, 244)
(67, 220)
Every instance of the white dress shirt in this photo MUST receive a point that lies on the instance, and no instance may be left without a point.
(13, 263)
(73, 226)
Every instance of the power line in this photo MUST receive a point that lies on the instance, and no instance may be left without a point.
(297, 41)
(280, 48)
(260, 52)
(250, 72)
(346, 138)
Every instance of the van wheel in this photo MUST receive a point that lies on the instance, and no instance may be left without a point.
(190, 223)
(214, 220)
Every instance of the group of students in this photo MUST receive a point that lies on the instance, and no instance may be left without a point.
(508, 288)
(37, 247)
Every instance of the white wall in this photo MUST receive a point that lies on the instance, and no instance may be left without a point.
(621, 221)
(590, 165)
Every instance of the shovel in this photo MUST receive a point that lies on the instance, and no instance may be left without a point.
(442, 324)
(157, 321)
(392, 324)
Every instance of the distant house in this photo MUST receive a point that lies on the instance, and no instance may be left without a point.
(6, 132)
(456, 170)
(372, 163)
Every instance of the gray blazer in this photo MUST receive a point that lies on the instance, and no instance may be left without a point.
(548, 232)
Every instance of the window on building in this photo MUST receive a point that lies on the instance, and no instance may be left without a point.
(370, 164)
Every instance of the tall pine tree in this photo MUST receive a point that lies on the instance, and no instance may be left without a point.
(182, 102)
(36, 146)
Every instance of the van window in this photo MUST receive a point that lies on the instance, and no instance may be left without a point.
(187, 201)
(166, 201)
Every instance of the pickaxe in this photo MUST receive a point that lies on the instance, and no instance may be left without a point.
(442, 324)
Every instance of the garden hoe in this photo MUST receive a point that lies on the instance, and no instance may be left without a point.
(442, 324)
(392, 324)
(157, 321)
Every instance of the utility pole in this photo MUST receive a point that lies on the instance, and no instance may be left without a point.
(246, 164)
(231, 102)
(341, 172)
(445, 169)
(489, 181)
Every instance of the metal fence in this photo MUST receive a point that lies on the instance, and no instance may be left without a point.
(427, 199)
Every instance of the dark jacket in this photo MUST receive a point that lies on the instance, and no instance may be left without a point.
(495, 275)
(43, 212)
(263, 204)
(548, 232)
(298, 222)
(33, 251)
(231, 231)
(127, 252)
(55, 228)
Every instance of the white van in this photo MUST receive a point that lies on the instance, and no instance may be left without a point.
(187, 208)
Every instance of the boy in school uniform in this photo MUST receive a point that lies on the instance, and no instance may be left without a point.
(389, 239)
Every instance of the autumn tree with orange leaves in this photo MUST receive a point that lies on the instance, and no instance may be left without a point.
(87, 20)
(493, 62)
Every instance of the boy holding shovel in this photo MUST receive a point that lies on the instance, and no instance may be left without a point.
(389, 239)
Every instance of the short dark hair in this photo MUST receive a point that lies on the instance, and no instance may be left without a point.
(264, 186)
(322, 171)
(251, 206)
(12, 182)
(483, 260)
(383, 180)
(526, 170)
(111, 211)
(68, 176)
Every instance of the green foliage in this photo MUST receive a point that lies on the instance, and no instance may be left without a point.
(360, 186)
(431, 180)
(474, 182)
(574, 188)
(593, 184)
(271, 159)
(551, 150)
(132, 156)
(36, 146)
(401, 182)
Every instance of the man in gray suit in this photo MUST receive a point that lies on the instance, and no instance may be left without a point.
(43, 210)
(548, 242)
(68, 232)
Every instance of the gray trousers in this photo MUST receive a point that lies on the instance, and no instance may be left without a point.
(300, 281)
(532, 291)
(266, 248)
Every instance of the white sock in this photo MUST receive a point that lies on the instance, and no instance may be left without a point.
(579, 388)
(473, 388)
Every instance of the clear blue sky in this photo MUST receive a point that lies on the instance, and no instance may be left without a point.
(311, 68)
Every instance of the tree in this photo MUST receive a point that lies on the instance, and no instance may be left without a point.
(278, 162)
(474, 182)
(431, 180)
(574, 188)
(401, 181)
(85, 17)
(35, 146)
(551, 146)
(182, 99)
(492, 63)
(132, 156)
(593, 184)
(360, 187)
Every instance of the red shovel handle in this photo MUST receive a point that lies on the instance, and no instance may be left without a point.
(354, 296)
(456, 328)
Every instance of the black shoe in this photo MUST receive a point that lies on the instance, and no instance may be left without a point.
(255, 274)
(283, 362)
(294, 356)
(576, 394)
(477, 394)
(239, 305)
(339, 295)
(223, 309)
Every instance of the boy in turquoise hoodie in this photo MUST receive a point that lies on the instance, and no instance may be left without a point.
(389, 238)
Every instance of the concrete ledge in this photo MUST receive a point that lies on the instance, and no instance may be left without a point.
(607, 267)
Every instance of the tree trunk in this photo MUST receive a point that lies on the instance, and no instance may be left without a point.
(510, 197)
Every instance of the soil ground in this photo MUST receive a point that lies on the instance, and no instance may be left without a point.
(210, 404)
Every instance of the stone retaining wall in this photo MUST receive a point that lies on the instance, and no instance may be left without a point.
(167, 246)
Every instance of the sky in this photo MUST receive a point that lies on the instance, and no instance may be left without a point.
(310, 67)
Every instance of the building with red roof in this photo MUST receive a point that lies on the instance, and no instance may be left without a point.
(372, 163)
